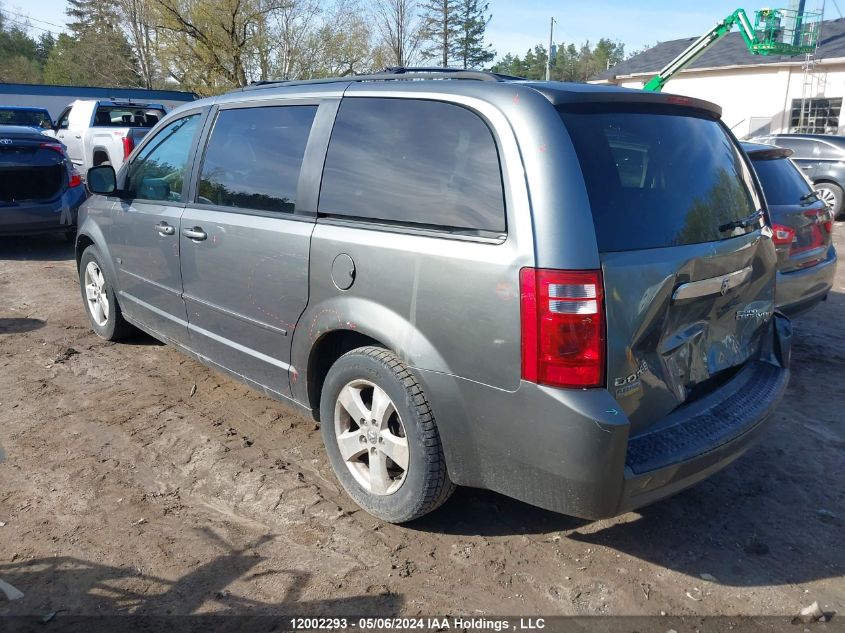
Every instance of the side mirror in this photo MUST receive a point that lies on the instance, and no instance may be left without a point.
(102, 180)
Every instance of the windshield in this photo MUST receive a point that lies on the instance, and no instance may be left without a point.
(781, 180)
(30, 118)
(661, 179)
(127, 116)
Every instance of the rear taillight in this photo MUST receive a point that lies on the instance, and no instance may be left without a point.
(75, 179)
(783, 235)
(128, 146)
(562, 327)
(56, 147)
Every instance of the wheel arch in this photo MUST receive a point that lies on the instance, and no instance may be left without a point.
(90, 234)
(324, 353)
(333, 327)
(99, 150)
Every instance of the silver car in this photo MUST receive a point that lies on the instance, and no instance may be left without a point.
(563, 293)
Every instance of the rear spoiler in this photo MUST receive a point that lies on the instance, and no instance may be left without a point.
(768, 153)
(621, 97)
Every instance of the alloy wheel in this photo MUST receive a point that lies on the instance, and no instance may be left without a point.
(96, 294)
(371, 437)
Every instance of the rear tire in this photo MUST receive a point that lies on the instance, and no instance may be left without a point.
(833, 195)
(99, 298)
(388, 455)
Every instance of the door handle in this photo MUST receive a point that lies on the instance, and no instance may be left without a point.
(77, 136)
(165, 229)
(196, 234)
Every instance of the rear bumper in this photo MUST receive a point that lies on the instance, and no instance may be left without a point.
(800, 290)
(571, 451)
(58, 215)
(702, 438)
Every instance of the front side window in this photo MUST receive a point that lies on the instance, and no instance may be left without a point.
(64, 117)
(413, 162)
(158, 173)
(254, 157)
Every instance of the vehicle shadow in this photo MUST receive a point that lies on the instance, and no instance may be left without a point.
(97, 596)
(18, 325)
(141, 339)
(48, 248)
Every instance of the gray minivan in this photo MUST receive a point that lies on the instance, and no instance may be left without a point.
(560, 292)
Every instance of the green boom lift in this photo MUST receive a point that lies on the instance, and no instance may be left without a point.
(775, 32)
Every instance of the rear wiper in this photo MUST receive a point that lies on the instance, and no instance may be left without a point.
(808, 195)
(743, 223)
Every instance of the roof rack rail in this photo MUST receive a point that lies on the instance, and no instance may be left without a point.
(394, 73)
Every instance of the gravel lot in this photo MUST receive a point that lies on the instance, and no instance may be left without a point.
(124, 493)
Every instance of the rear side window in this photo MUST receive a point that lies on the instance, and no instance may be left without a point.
(660, 179)
(413, 162)
(254, 157)
(781, 180)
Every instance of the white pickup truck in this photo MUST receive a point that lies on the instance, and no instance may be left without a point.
(104, 132)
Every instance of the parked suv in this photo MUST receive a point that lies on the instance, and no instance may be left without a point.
(822, 159)
(563, 293)
(803, 230)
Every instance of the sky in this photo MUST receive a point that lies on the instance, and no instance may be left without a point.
(519, 25)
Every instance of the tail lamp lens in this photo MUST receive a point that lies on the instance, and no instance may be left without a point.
(783, 235)
(56, 147)
(75, 179)
(128, 146)
(563, 342)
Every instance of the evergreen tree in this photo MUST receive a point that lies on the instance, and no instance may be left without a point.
(440, 28)
(469, 49)
(18, 54)
(45, 44)
(96, 52)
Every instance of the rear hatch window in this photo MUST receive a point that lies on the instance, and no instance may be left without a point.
(658, 179)
(127, 116)
(782, 182)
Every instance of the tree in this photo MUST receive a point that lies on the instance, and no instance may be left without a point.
(291, 28)
(45, 44)
(398, 29)
(440, 29)
(137, 18)
(212, 45)
(341, 46)
(570, 63)
(95, 52)
(19, 61)
(469, 48)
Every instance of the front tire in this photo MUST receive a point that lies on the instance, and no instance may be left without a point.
(99, 299)
(381, 437)
(833, 195)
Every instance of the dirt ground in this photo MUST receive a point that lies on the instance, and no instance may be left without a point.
(123, 491)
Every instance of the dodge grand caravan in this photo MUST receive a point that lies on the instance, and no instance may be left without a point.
(563, 293)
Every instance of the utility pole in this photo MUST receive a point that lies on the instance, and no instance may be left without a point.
(549, 57)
